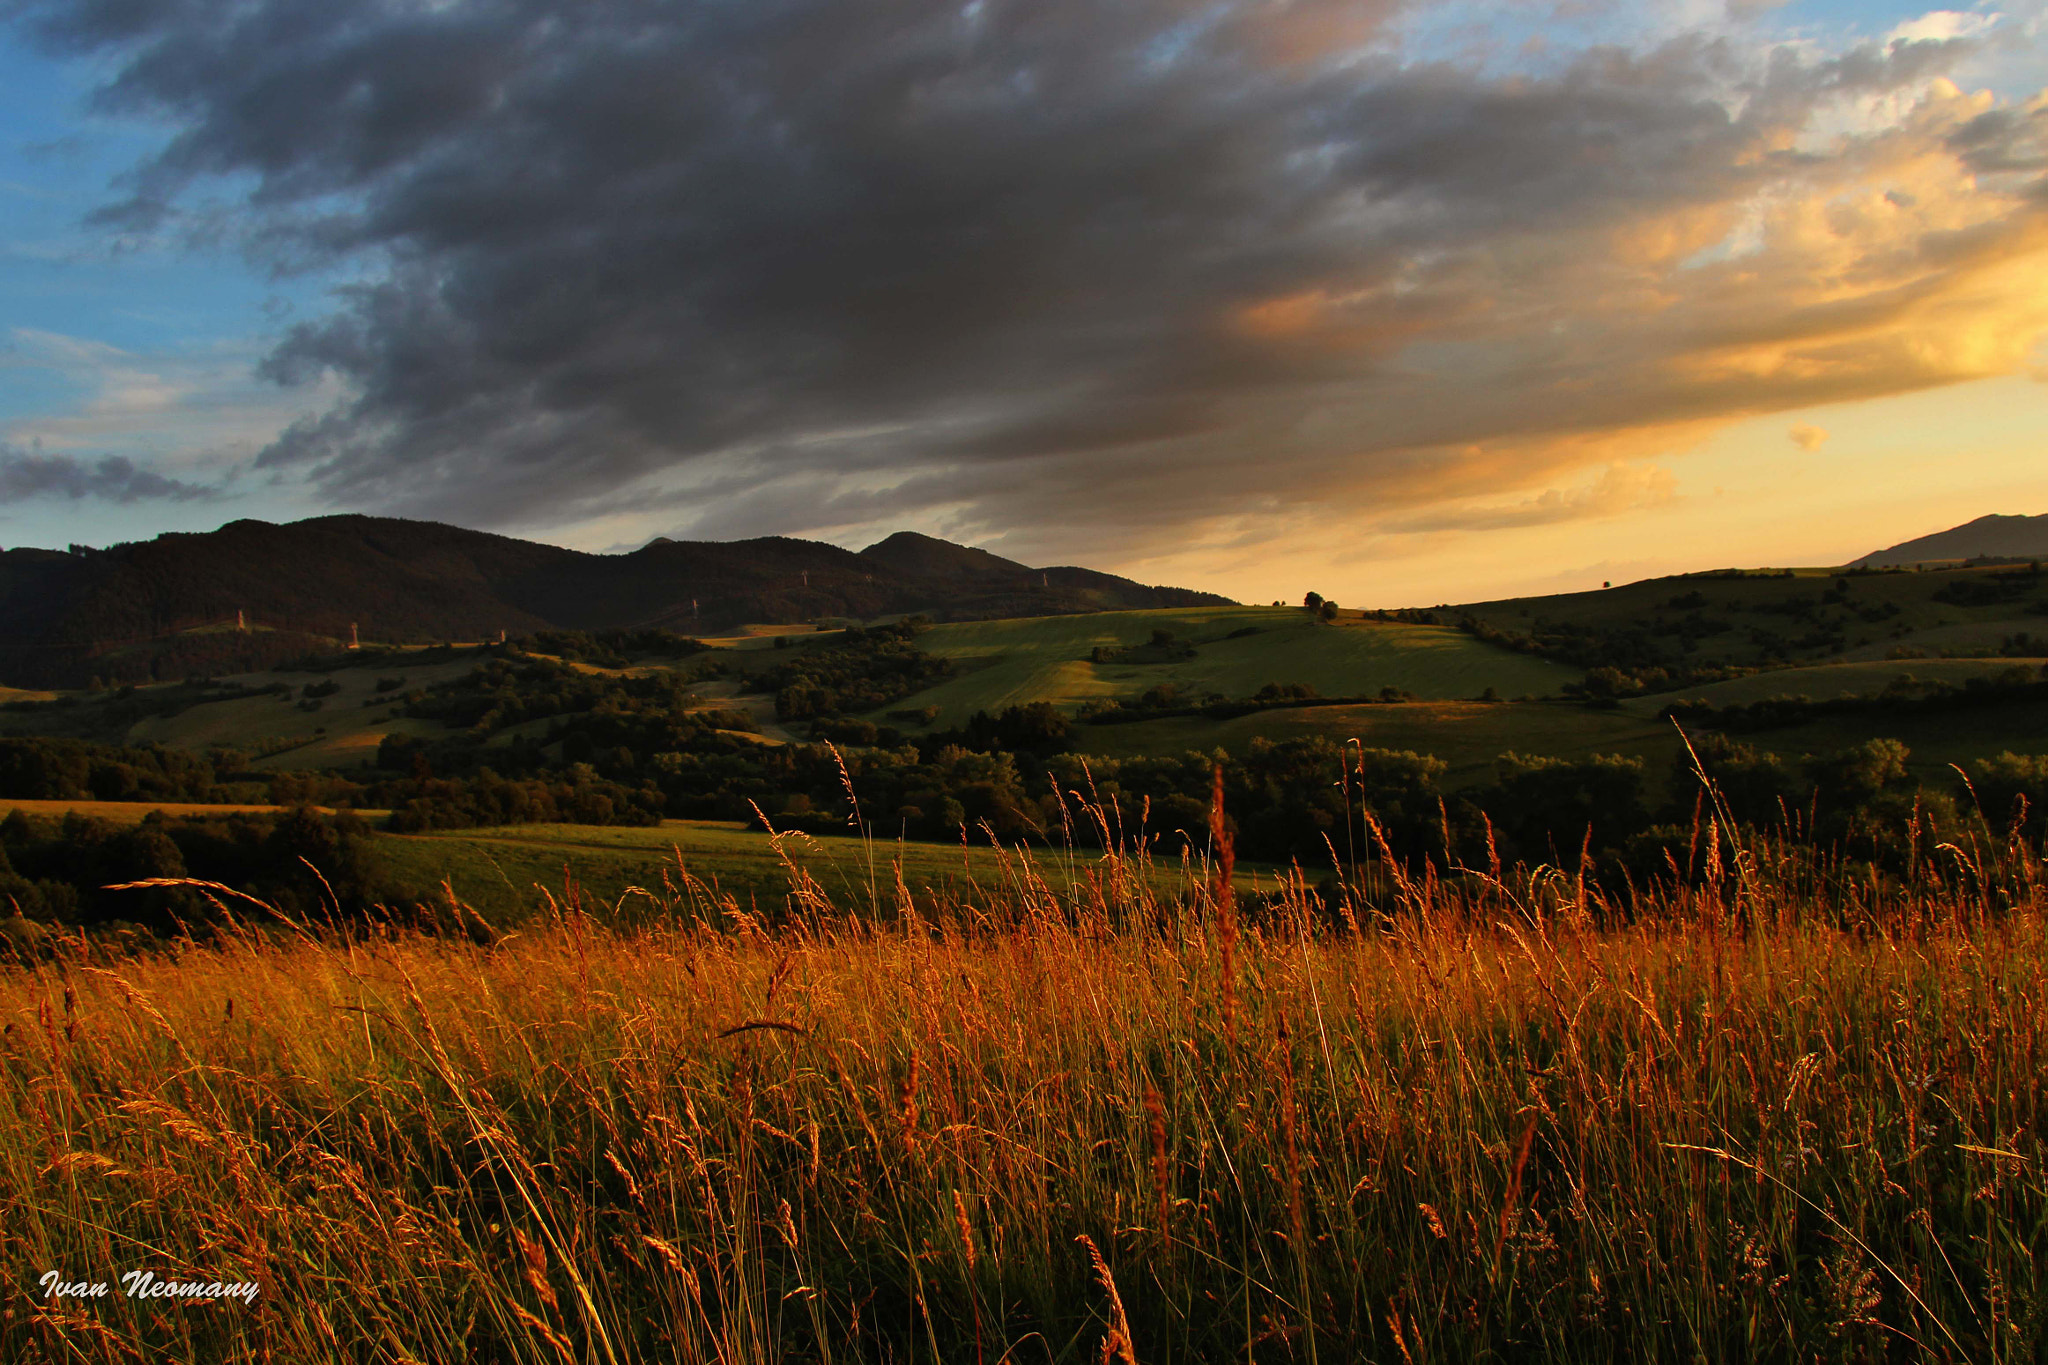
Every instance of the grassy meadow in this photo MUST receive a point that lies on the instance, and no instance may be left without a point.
(626, 872)
(1784, 1112)
(1885, 611)
(342, 733)
(1238, 650)
(687, 1092)
(623, 870)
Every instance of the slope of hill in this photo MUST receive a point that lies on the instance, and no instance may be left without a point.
(171, 606)
(928, 557)
(1232, 651)
(1664, 632)
(1992, 537)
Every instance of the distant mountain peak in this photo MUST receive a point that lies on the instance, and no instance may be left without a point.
(911, 552)
(1996, 536)
(157, 609)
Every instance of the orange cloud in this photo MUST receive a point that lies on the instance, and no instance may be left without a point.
(1808, 437)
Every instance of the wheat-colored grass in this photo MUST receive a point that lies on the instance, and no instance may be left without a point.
(1784, 1114)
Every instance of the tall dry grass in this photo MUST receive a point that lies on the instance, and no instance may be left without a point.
(1773, 1116)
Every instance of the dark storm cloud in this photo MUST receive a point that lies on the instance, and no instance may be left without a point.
(32, 474)
(793, 263)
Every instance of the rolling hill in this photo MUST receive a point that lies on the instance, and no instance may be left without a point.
(1992, 537)
(1774, 618)
(1232, 651)
(171, 606)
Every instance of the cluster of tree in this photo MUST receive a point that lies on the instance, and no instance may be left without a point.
(590, 767)
(185, 655)
(1163, 648)
(1282, 800)
(75, 770)
(424, 785)
(1993, 589)
(2018, 645)
(372, 656)
(1631, 659)
(60, 872)
(1861, 801)
(1903, 696)
(114, 711)
(1154, 703)
(609, 648)
(1608, 683)
(1306, 800)
(574, 795)
(859, 670)
(1625, 648)
(1167, 700)
(509, 691)
(1036, 728)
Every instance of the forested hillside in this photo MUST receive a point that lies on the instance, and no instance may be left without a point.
(171, 606)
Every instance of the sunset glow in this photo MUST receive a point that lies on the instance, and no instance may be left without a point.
(1414, 303)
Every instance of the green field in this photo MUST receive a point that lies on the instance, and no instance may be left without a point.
(343, 733)
(501, 872)
(1238, 650)
(1825, 681)
(1876, 612)
(1013, 662)
(1468, 736)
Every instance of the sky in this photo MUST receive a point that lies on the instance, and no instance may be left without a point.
(1403, 303)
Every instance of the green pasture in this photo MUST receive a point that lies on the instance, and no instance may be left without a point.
(1902, 609)
(343, 732)
(509, 872)
(1014, 662)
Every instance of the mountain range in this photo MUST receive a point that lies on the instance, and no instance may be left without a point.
(170, 606)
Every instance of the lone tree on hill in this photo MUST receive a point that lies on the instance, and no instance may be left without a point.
(1314, 601)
